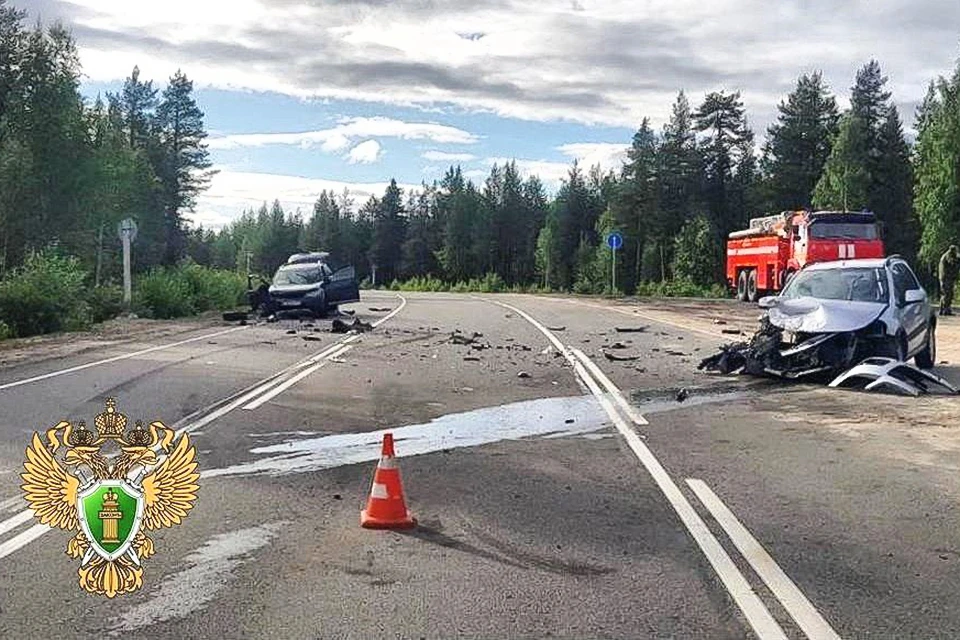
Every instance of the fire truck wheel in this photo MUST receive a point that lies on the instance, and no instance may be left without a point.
(753, 294)
(742, 287)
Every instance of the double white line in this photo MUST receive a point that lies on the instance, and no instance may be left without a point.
(764, 625)
(248, 398)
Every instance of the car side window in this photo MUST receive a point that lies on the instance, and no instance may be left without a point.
(903, 281)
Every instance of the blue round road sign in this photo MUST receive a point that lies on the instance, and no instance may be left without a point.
(614, 240)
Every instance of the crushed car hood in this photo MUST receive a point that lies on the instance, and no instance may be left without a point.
(813, 315)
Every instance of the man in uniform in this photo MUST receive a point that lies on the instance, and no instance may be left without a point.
(949, 269)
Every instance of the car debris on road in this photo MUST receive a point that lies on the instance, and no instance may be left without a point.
(339, 326)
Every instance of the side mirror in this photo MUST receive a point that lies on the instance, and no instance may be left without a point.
(767, 302)
(914, 295)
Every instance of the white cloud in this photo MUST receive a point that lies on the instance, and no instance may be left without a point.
(367, 152)
(607, 155)
(231, 192)
(610, 157)
(347, 130)
(443, 156)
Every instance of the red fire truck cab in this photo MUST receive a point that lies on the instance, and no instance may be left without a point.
(761, 258)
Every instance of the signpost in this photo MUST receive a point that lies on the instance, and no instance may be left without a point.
(615, 242)
(127, 230)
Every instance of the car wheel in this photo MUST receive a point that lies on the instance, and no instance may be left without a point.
(742, 286)
(928, 356)
(753, 294)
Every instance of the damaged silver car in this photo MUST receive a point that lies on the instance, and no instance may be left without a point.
(833, 315)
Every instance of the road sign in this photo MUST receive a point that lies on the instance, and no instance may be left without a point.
(614, 240)
(127, 229)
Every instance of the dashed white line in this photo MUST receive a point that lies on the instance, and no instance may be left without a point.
(797, 605)
(125, 356)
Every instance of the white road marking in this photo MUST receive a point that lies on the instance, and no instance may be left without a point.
(289, 382)
(34, 532)
(22, 539)
(797, 605)
(757, 615)
(208, 570)
(11, 523)
(611, 388)
(125, 356)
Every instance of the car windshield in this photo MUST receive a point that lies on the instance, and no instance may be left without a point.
(297, 274)
(857, 284)
(843, 230)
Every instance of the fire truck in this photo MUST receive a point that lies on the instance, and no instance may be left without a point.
(761, 259)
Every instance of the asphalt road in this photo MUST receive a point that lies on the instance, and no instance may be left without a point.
(547, 505)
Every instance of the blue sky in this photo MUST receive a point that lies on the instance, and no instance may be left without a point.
(304, 95)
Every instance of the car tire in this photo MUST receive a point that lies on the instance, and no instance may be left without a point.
(742, 287)
(928, 356)
(753, 293)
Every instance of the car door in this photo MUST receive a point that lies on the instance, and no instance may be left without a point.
(912, 315)
(341, 286)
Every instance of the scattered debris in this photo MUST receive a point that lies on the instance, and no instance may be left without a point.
(719, 321)
(311, 337)
(291, 332)
(479, 346)
(339, 361)
(671, 352)
(471, 359)
(523, 374)
(888, 373)
(347, 312)
(339, 326)
(617, 358)
(457, 338)
(337, 496)
(617, 345)
(235, 316)
(561, 328)
(379, 309)
(631, 329)
(569, 421)
(682, 395)
(732, 331)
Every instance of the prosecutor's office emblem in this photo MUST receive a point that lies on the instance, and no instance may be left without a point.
(108, 500)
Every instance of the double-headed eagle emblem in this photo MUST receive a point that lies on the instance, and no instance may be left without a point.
(110, 500)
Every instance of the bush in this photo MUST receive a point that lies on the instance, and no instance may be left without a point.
(681, 289)
(163, 293)
(47, 294)
(106, 302)
(187, 290)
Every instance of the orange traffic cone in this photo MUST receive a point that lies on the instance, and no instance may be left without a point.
(386, 508)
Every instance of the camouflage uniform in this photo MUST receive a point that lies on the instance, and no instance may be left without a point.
(949, 269)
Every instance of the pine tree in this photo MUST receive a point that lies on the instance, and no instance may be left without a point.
(388, 234)
(727, 152)
(798, 144)
(845, 183)
(937, 183)
(678, 176)
(136, 103)
(636, 211)
(891, 188)
(184, 159)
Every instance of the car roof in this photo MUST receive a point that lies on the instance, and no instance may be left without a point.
(316, 256)
(863, 263)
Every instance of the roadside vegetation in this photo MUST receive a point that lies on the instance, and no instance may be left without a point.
(72, 167)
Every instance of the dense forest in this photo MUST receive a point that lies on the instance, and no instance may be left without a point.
(72, 167)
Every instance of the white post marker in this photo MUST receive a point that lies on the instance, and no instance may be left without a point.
(614, 241)
(127, 230)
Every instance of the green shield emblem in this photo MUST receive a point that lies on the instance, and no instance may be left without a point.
(110, 512)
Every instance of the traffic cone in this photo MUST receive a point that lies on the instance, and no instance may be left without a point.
(386, 508)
